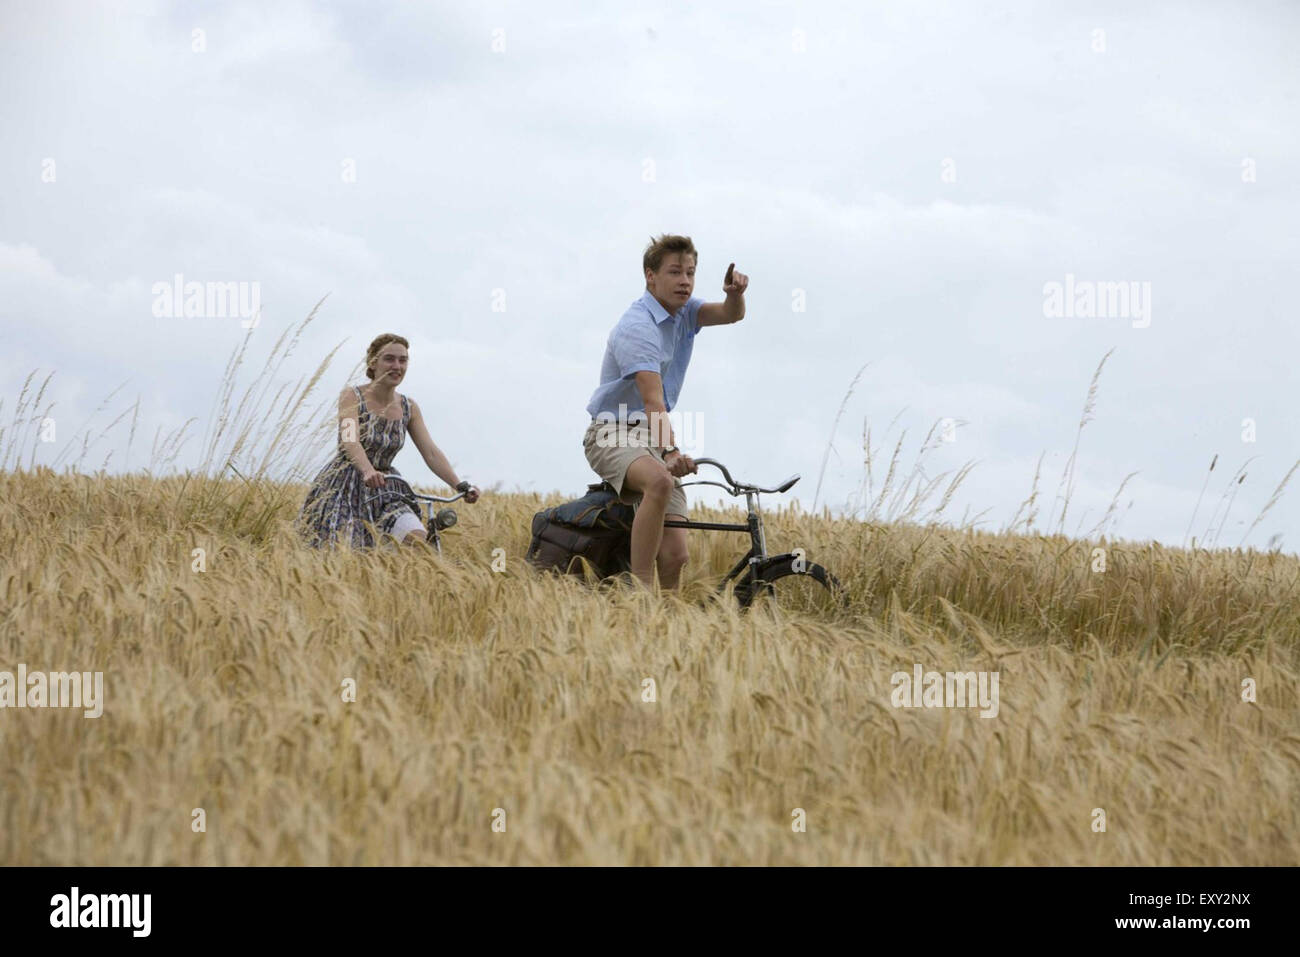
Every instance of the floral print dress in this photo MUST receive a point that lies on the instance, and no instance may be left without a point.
(338, 505)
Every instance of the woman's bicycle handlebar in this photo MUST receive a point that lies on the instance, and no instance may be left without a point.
(425, 498)
(435, 498)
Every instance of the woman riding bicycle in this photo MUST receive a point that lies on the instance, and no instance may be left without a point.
(373, 424)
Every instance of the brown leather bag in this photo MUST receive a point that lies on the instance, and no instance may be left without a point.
(591, 533)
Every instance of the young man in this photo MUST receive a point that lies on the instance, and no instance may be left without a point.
(630, 442)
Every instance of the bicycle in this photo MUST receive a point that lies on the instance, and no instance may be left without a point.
(434, 523)
(763, 571)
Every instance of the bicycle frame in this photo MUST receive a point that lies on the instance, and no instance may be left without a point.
(757, 558)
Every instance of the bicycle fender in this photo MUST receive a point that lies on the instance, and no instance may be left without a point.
(775, 560)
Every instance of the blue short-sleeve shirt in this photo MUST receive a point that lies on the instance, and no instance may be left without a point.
(647, 339)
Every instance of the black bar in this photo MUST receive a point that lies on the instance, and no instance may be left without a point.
(928, 909)
(708, 526)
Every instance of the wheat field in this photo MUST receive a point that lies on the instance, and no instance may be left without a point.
(500, 716)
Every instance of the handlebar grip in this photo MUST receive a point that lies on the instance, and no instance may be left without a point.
(721, 468)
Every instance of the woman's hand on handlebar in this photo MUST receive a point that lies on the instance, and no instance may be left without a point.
(373, 478)
(471, 492)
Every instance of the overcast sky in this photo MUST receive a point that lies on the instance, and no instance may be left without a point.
(913, 175)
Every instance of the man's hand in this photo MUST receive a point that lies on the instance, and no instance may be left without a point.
(679, 464)
(732, 309)
(734, 283)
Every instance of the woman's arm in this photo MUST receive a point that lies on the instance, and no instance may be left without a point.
(350, 434)
(432, 455)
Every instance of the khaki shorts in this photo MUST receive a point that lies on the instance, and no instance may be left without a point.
(610, 455)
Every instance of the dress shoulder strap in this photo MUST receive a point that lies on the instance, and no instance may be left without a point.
(361, 398)
(406, 410)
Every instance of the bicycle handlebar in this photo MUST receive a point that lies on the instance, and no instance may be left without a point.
(721, 468)
(416, 495)
(435, 498)
(740, 488)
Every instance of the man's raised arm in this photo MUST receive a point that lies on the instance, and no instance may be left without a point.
(732, 309)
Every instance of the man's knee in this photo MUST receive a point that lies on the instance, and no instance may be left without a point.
(649, 477)
(415, 535)
(673, 552)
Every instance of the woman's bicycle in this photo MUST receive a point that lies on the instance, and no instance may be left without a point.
(397, 489)
(789, 578)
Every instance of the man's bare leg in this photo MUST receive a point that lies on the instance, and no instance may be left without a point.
(672, 554)
(648, 476)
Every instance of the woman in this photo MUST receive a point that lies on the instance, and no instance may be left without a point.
(373, 424)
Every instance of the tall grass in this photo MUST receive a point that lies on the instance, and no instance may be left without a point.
(1066, 488)
(265, 443)
(894, 504)
(258, 442)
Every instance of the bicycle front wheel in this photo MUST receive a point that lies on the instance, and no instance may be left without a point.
(808, 587)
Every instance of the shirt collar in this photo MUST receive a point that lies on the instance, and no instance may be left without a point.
(657, 311)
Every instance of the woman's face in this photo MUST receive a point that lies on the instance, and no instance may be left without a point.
(390, 366)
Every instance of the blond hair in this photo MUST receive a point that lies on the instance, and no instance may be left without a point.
(372, 353)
